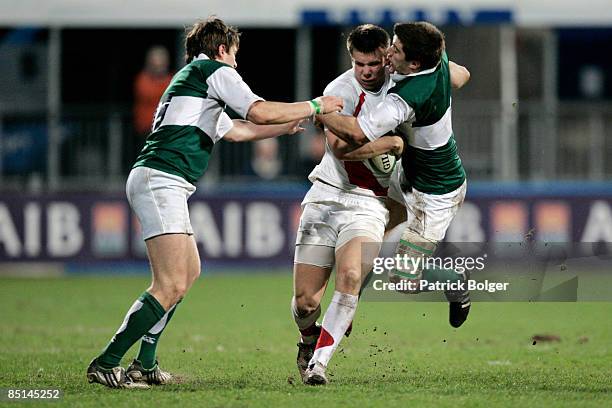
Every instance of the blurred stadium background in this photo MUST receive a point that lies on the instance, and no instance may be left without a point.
(533, 128)
(533, 125)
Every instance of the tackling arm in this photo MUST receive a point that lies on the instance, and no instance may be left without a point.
(386, 144)
(384, 118)
(267, 113)
(353, 152)
(245, 131)
(338, 146)
(345, 127)
(226, 85)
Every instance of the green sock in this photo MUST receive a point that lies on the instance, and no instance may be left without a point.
(143, 315)
(433, 274)
(148, 345)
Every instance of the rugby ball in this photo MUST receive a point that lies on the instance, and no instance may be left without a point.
(383, 163)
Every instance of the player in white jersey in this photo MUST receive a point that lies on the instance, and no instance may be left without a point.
(344, 209)
(358, 177)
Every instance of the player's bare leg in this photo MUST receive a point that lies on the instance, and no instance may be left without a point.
(354, 261)
(175, 265)
(309, 283)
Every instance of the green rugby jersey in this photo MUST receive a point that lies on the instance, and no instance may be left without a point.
(430, 159)
(190, 118)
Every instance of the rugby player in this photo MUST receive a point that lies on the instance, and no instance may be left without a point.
(430, 180)
(189, 120)
(344, 208)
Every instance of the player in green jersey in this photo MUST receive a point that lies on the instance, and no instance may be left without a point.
(430, 180)
(189, 120)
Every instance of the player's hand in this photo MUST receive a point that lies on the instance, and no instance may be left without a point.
(294, 127)
(330, 103)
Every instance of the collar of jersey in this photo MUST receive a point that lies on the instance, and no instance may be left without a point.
(400, 77)
(202, 56)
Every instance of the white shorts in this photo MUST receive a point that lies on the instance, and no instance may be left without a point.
(159, 200)
(331, 217)
(429, 215)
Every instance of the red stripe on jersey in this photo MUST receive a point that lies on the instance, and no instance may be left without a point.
(358, 173)
(359, 104)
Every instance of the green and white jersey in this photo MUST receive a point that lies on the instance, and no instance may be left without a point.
(419, 108)
(190, 117)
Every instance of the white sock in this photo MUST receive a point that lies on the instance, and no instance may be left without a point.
(337, 319)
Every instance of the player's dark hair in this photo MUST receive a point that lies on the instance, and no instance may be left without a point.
(205, 36)
(423, 42)
(367, 38)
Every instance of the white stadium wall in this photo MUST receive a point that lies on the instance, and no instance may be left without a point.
(277, 13)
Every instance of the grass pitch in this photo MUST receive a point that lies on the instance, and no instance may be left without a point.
(232, 341)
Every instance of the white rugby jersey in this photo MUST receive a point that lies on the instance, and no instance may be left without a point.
(357, 177)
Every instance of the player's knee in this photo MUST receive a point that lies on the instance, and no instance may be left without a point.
(305, 304)
(175, 291)
(348, 278)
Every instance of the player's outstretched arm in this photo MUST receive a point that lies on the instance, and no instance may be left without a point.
(267, 113)
(386, 144)
(245, 131)
(459, 75)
